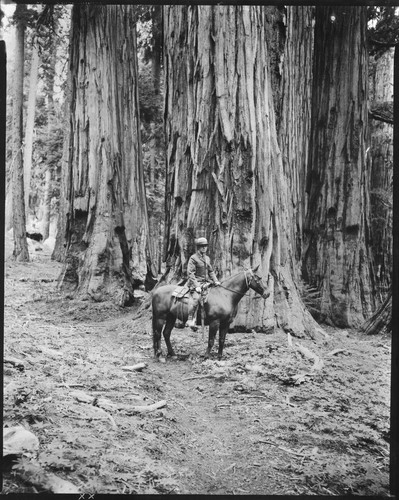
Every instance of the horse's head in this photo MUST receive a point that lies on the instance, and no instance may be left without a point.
(256, 283)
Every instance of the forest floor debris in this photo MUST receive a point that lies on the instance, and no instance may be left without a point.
(189, 425)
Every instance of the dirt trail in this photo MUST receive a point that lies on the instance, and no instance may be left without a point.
(238, 426)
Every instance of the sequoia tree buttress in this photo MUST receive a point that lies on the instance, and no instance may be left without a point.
(337, 260)
(225, 177)
(106, 219)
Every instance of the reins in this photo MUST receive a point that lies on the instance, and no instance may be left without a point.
(235, 291)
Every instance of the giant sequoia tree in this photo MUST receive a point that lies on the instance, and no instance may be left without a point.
(225, 178)
(106, 220)
(295, 118)
(337, 260)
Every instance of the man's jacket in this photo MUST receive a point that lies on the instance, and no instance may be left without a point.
(199, 269)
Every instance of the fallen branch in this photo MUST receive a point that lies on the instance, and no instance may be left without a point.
(146, 408)
(334, 352)
(138, 367)
(283, 448)
(198, 377)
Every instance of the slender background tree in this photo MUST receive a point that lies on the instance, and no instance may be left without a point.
(21, 252)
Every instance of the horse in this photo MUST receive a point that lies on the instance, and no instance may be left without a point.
(220, 310)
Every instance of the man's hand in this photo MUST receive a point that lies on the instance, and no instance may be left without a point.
(198, 289)
(217, 283)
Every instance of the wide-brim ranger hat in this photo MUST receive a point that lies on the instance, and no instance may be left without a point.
(202, 242)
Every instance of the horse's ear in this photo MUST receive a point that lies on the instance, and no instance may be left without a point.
(256, 268)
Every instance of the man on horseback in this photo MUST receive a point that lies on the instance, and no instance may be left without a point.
(200, 273)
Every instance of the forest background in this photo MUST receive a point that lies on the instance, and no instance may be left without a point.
(293, 170)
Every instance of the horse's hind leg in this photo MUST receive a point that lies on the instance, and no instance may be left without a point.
(170, 323)
(157, 325)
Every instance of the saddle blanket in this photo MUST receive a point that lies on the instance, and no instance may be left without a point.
(180, 291)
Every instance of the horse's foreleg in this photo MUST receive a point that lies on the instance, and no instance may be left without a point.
(170, 323)
(157, 325)
(222, 336)
(213, 328)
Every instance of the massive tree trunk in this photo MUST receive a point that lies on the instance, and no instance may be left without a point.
(46, 202)
(225, 177)
(381, 171)
(107, 225)
(337, 260)
(295, 119)
(59, 251)
(20, 252)
(30, 122)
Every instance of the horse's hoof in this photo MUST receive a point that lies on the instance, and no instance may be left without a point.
(173, 357)
(161, 359)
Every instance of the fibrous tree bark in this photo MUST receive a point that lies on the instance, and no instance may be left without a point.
(381, 320)
(30, 121)
(225, 177)
(60, 245)
(106, 218)
(295, 118)
(46, 205)
(381, 169)
(20, 252)
(337, 259)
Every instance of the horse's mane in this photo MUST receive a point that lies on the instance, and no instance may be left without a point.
(230, 278)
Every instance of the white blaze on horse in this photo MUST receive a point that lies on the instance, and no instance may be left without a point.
(219, 310)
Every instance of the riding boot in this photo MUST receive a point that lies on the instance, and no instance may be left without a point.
(191, 321)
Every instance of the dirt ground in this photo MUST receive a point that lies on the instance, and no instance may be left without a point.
(267, 419)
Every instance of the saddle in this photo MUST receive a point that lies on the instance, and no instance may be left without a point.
(183, 295)
(180, 292)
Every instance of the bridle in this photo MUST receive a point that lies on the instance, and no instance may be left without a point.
(246, 281)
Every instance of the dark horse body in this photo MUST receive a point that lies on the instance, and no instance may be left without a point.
(220, 309)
